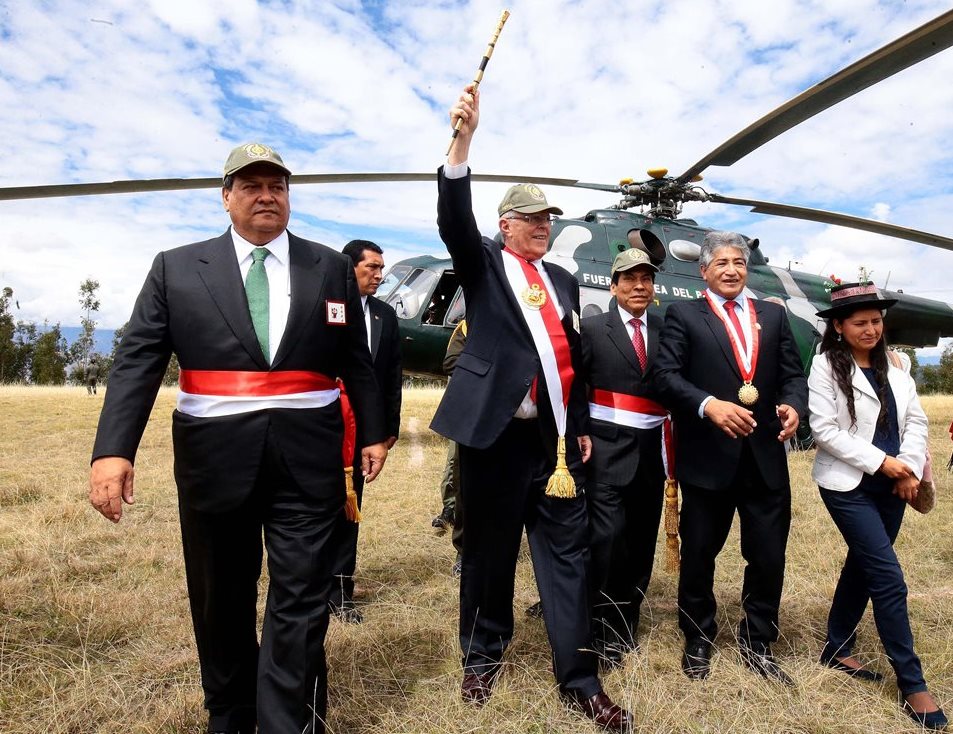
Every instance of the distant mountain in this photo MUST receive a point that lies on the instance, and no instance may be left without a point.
(102, 338)
(924, 361)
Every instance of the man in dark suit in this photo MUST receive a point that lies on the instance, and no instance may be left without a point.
(624, 476)
(512, 403)
(383, 339)
(729, 370)
(257, 439)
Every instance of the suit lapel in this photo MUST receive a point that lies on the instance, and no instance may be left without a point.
(307, 288)
(859, 380)
(219, 271)
(619, 336)
(376, 326)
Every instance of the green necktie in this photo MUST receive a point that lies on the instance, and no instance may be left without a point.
(256, 288)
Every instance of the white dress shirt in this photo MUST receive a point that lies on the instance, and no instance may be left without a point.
(279, 283)
(630, 330)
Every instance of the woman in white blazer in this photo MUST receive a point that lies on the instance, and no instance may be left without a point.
(871, 436)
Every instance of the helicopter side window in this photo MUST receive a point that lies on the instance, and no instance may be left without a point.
(410, 296)
(439, 303)
(684, 250)
(458, 309)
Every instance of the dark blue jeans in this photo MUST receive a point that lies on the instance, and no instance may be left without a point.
(869, 521)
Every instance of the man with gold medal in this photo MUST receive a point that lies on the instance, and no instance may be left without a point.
(729, 370)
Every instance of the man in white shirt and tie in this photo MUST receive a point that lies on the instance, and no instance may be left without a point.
(624, 475)
(729, 370)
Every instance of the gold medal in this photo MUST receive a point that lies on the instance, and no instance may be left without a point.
(534, 297)
(748, 393)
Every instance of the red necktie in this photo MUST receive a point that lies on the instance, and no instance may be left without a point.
(730, 308)
(638, 341)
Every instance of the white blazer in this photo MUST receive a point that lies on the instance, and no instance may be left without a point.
(845, 453)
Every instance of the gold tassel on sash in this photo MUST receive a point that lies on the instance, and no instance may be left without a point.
(672, 561)
(561, 483)
(351, 510)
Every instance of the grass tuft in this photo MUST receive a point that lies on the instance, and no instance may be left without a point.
(95, 633)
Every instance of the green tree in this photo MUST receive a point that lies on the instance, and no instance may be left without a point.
(7, 345)
(914, 362)
(82, 348)
(49, 358)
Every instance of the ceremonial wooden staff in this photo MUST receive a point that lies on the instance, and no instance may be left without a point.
(479, 75)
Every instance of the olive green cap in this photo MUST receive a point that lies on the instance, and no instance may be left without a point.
(251, 153)
(631, 258)
(526, 198)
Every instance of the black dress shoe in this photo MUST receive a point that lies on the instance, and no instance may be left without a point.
(696, 660)
(935, 720)
(601, 711)
(858, 673)
(757, 656)
(477, 687)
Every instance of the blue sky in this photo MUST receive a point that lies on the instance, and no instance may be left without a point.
(594, 91)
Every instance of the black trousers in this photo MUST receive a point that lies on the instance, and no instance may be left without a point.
(503, 489)
(282, 685)
(344, 547)
(706, 518)
(623, 530)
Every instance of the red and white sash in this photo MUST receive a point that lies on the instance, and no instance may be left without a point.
(211, 393)
(633, 411)
(549, 336)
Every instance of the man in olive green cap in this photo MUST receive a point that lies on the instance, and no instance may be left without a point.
(625, 478)
(262, 322)
(518, 410)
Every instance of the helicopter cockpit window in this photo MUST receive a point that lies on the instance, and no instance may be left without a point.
(410, 296)
(439, 303)
(391, 279)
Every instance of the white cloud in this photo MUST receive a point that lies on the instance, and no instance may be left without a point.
(596, 91)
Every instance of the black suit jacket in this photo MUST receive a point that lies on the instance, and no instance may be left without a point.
(610, 363)
(696, 360)
(499, 361)
(385, 353)
(193, 303)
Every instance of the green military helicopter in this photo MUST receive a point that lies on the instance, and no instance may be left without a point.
(425, 291)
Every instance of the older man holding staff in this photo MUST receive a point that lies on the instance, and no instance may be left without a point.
(262, 323)
(729, 370)
(513, 402)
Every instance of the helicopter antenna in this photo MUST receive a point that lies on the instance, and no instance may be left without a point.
(478, 77)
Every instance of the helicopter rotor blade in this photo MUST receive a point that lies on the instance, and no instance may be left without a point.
(136, 186)
(919, 44)
(843, 220)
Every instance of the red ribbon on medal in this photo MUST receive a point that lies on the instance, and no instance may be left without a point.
(747, 374)
(554, 327)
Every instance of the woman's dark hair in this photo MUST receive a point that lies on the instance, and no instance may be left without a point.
(842, 364)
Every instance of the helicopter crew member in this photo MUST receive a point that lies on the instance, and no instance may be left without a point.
(729, 370)
(262, 322)
(625, 474)
(383, 340)
(518, 412)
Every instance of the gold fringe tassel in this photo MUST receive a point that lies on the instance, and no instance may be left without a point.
(561, 483)
(672, 561)
(351, 510)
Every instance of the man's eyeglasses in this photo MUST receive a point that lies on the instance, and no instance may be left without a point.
(534, 219)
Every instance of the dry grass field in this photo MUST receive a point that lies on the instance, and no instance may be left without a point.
(95, 637)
